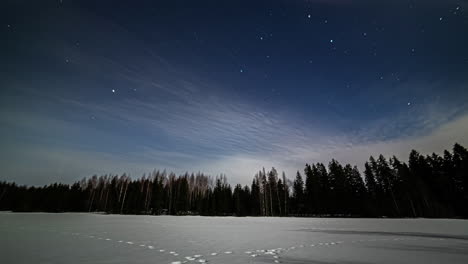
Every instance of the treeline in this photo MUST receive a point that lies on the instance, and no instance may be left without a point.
(425, 186)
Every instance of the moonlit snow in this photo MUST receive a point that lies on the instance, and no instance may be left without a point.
(78, 238)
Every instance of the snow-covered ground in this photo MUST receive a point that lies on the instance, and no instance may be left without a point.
(92, 238)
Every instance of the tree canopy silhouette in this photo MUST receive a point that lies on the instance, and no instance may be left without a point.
(425, 186)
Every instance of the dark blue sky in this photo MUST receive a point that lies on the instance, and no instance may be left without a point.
(226, 86)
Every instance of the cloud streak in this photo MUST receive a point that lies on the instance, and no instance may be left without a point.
(215, 136)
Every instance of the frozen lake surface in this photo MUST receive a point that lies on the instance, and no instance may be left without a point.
(93, 238)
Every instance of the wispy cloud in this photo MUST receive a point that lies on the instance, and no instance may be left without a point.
(180, 121)
(218, 136)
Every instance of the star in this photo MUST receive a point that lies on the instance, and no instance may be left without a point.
(326, 21)
(309, 16)
(409, 103)
(440, 18)
(67, 61)
(331, 40)
(364, 34)
(261, 38)
(113, 90)
(241, 70)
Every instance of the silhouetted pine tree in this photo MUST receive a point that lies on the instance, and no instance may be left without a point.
(298, 195)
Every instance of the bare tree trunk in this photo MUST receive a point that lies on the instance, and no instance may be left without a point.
(107, 197)
(121, 189)
(125, 194)
(285, 195)
(279, 200)
(395, 202)
(100, 196)
(148, 196)
(145, 188)
(92, 199)
(271, 202)
(170, 197)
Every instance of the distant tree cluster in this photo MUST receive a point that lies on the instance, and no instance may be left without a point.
(425, 186)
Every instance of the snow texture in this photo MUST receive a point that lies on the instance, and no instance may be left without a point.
(92, 238)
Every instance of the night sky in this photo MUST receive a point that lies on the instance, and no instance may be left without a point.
(94, 87)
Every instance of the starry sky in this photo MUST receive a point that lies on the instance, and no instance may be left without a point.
(92, 87)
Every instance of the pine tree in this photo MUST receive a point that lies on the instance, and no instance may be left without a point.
(298, 195)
